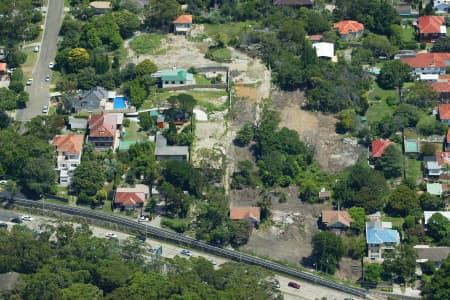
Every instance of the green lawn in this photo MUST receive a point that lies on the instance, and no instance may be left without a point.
(396, 221)
(205, 98)
(28, 66)
(133, 133)
(201, 79)
(377, 111)
(413, 169)
(378, 93)
(231, 30)
(219, 54)
(146, 43)
(408, 34)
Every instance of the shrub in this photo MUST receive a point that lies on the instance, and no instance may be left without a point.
(178, 225)
(219, 54)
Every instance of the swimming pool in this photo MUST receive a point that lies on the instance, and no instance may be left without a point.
(119, 102)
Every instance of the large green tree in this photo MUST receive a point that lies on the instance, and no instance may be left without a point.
(328, 249)
(403, 201)
(438, 287)
(439, 229)
(88, 177)
(393, 74)
(391, 162)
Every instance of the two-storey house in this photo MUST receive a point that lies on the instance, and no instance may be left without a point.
(69, 149)
(182, 24)
(428, 63)
(380, 238)
(434, 165)
(103, 131)
(349, 29)
(431, 28)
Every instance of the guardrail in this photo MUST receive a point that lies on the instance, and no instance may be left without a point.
(164, 234)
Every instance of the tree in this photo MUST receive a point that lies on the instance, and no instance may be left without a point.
(239, 232)
(161, 14)
(442, 44)
(347, 119)
(403, 202)
(391, 162)
(146, 67)
(127, 21)
(5, 120)
(438, 285)
(358, 216)
(77, 58)
(182, 175)
(439, 229)
(421, 95)
(400, 263)
(88, 177)
(428, 125)
(82, 291)
(245, 135)
(39, 176)
(145, 121)
(372, 273)
(430, 202)
(328, 249)
(379, 45)
(393, 74)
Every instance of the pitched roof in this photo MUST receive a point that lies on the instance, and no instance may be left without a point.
(432, 253)
(3, 67)
(444, 111)
(183, 19)
(376, 233)
(348, 26)
(129, 198)
(448, 136)
(77, 123)
(443, 158)
(244, 212)
(330, 217)
(440, 87)
(435, 188)
(378, 147)
(103, 125)
(175, 74)
(138, 188)
(70, 143)
(162, 149)
(426, 60)
(432, 24)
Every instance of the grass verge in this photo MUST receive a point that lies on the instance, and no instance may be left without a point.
(146, 43)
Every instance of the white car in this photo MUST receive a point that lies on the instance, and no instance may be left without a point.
(51, 65)
(47, 78)
(36, 49)
(30, 81)
(3, 181)
(111, 235)
(143, 219)
(27, 218)
(45, 109)
(186, 252)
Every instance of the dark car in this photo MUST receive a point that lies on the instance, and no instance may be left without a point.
(295, 285)
(3, 225)
(16, 220)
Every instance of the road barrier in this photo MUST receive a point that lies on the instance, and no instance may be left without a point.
(164, 234)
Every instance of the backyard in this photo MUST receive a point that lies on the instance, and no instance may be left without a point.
(146, 43)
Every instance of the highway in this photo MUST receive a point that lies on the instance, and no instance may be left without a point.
(39, 90)
(159, 233)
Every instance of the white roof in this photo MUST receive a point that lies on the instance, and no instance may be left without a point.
(428, 214)
(443, 29)
(111, 94)
(324, 49)
(200, 115)
(429, 77)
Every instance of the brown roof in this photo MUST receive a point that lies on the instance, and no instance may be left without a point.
(323, 195)
(103, 125)
(432, 253)
(3, 67)
(129, 198)
(244, 212)
(70, 143)
(330, 217)
(183, 19)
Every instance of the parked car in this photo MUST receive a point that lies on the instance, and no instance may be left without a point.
(186, 252)
(45, 109)
(3, 181)
(51, 65)
(36, 49)
(27, 218)
(3, 225)
(152, 250)
(47, 77)
(30, 81)
(16, 220)
(143, 219)
(294, 285)
(111, 235)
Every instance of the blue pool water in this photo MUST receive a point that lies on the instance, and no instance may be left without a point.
(119, 103)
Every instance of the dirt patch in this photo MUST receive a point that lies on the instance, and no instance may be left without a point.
(333, 152)
(349, 269)
(243, 91)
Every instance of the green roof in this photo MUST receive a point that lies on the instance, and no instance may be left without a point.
(175, 75)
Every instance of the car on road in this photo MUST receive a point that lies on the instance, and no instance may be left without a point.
(186, 252)
(45, 109)
(47, 78)
(143, 219)
(3, 225)
(30, 81)
(27, 218)
(111, 235)
(3, 181)
(51, 65)
(294, 285)
(16, 220)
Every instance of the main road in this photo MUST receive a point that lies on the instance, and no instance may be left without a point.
(39, 90)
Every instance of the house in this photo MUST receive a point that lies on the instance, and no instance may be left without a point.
(103, 130)
(441, 6)
(166, 152)
(406, 11)
(91, 101)
(431, 28)
(295, 3)
(444, 113)
(315, 38)
(77, 123)
(324, 49)
(324, 195)
(3, 68)
(182, 24)
(380, 238)
(430, 253)
(131, 198)
(428, 63)
(250, 214)
(349, 29)
(434, 165)
(174, 77)
(378, 147)
(447, 141)
(69, 149)
(441, 86)
(428, 214)
(100, 7)
(436, 189)
(336, 220)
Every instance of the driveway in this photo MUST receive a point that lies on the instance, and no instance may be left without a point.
(39, 90)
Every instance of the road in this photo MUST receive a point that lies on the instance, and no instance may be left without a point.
(39, 90)
(307, 290)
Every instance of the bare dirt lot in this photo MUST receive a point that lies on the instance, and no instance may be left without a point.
(333, 153)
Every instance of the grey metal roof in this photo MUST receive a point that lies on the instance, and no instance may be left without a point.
(163, 149)
(432, 253)
(77, 123)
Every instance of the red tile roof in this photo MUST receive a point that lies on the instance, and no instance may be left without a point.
(431, 24)
(444, 111)
(347, 26)
(378, 147)
(440, 87)
(426, 60)
(70, 144)
(183, 19)
(129, 198)
(3, 67)
(448, 136)
(444, 77)
(103, 125)
(443, 158)
(244, 212)
(330, 217)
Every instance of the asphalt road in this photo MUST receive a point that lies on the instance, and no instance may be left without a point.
(39, 90)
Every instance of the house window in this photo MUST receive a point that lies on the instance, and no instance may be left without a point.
(181, 82)
(173, 82)
(166, 82)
